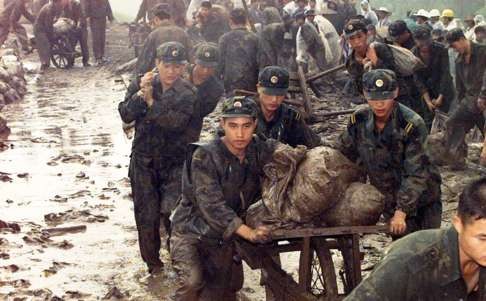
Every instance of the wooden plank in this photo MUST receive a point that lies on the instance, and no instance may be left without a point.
(303, 86)
(305, 275)
(324, 73)
(356, 260)
(331, 231)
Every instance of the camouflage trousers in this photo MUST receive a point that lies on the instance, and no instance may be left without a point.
(461, 121)
(156, 187)
(206, 271)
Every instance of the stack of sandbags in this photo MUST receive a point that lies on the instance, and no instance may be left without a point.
(13, 86)
(319, 186)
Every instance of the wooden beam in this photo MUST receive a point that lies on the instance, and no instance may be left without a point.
(331, 231)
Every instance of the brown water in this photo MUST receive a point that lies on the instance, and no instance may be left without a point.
(67, 137)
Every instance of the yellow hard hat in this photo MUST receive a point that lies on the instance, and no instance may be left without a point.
(448, 13)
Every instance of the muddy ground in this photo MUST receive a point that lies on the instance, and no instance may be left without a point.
(65, 164)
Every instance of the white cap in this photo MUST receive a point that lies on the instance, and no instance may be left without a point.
(383, 9)
(434, 13)
(422, 13)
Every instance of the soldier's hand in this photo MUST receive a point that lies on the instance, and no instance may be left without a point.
(260, 235)
(146, 88)
(398, 226)
(481, 104)
(430, 105)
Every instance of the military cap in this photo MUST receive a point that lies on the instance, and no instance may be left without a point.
(207, 55)
(161, 10)
(379, 84)
(310, 12)
(274, 80)
(172, 52)
(422, 33)
(397, 28)
(353, 27)
(454, 35)
(239, 106)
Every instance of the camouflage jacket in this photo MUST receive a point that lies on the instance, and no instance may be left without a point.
(394, 159)
(423, 266)
(164, 130)
(217, 189)
(46, 19)
(177, 10)
(167, 32)
(208, 93)
(287, 127)
(278, 46)
(471, 78)
(238, 60)
(214, 27)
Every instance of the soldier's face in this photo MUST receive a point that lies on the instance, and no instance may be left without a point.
(170, 72)
(382, 108)
(270, 103)
(460, 46)
(472, 239)
(238, 132)
(359, 41)
(204, 72)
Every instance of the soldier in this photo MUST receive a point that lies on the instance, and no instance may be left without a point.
(212, 22)
(400, 34)
(387, 138)
(471, 93)
(203, 76)
(73, 10)
(164, 108)
(278, 44)
(221, 180)
(277, 120)
(238, 54)
(44, 31)
(9, 21)
(309, 42)
(442, 264)
(377, 56)
(436, 77)
(177, 9)
(165, 31)
(97, 12)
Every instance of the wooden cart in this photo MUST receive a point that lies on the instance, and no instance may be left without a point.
(317, 276)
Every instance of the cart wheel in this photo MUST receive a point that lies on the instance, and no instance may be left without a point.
(62, 54)
(323, 275)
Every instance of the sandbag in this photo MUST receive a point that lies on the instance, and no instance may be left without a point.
(407, 63)
(320, 181)
(300, 185)
(361, 205)
(63, 26)
(435, 149)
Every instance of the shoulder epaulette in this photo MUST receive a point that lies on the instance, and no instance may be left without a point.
(409, 128)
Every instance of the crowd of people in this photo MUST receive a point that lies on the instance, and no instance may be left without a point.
(242, 56)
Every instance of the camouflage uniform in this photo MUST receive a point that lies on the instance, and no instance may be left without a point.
(211, 90)
(214, 27)
(98, 11)
(177, 10)
(44, 32)
(238, 60)
(471, 84)
(217, 190)
(9, 20)
(278, 46)
(167, 32)
(396, 164)
(287, 125)
(423, 266)
(161, 138)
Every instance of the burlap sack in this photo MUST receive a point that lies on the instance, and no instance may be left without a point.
(361, 205)
(300, 185)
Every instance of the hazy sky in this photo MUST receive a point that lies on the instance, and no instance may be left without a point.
(127, 8)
